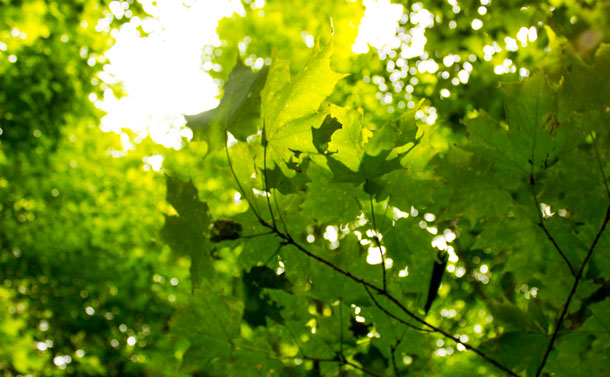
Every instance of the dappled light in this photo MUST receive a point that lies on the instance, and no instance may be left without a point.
(329, 188)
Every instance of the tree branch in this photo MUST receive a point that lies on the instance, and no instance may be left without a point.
(267, 191)
(378, 243)
(288, 240)
(541, 221)
(387, 312)
(573, 291)
(241, 188)
(601, 166)
(369, 372)
(393, 353)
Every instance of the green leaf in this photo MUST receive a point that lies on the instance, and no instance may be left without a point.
(264, 277)
(347, 144)
(238, 111)
(512, 316)
(519, 351)
(290, 105)
(322, 135)
(184, 198)
(210, 322)
(395, 133)
(352, 160)
(185, 233)
(373, 359)
(587, 87)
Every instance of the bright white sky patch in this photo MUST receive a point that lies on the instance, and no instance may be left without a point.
(162, 73)
(378, 26)
(163, 76)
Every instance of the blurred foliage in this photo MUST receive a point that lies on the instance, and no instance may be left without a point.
(84, 281)
(494, 163)
(487, 147)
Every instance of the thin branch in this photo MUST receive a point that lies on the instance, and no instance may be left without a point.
(267, 191)
(257, 235)
(573, 291)
(239, 185)
(274, 253)
(376, 236)
(541, 220)
(320, 359)
(288, 240)
(385, 214)
(370, 372)
(341, 325)
(339, 358)
(394, 300)
(601, 166)
(390, 314)
(393, 354)
(462, 255)
(279, 212)
(394, 347)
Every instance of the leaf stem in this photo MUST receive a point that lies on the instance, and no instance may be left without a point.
(573, 291)
(267, 190)
(541, 221)
(389, 314)
(601, 166)
(376, 236)
(239, 185)
(369, 372)
(288, 240)
(256, 235)
(393, 353)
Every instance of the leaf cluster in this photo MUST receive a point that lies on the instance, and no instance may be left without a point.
(335, 271)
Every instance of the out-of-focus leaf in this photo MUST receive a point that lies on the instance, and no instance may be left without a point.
(238, 111)
(186, 233)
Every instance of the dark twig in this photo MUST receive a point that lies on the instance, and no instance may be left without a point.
(393, 354)
(533, 189)
(376, 237)
(279, 212)
(390, 314)
(288, 240)
(341, 325)
(241, 188)
(541, 221)
(256, 235)
(601, 166)
(573, 291)
(274, 253)
(370, 372)
(394, 300)
(267, 190)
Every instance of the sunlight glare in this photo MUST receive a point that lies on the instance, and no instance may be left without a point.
(162, 73)
(375, 256)
(378, 26)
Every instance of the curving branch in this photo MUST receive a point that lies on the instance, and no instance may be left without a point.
(549, 236)
(601, 166)
(390, 314)
(378, 243)
(289, 240)
(266, 179)
(564, 311)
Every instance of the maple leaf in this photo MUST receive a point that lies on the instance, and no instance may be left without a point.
(291, 105)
